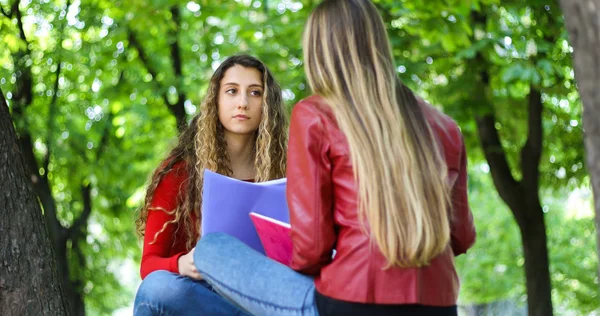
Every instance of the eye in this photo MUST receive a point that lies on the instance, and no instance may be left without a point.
(256, 93)
(231, 91)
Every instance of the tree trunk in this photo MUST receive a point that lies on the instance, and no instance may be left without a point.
(76, 303)
(523, 200)
(582, 18)
(522, 197)
(72, 291)
(29, 283)
(535, 253)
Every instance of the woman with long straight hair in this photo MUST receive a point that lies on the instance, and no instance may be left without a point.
(374, 173)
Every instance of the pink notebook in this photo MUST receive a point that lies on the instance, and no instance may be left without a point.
(275, 237)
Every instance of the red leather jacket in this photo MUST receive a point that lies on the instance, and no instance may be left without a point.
(323, 214)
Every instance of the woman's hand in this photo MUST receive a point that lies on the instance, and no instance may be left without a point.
(187, 267)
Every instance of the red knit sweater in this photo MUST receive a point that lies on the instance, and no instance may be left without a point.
(170, 244)
(164, 253)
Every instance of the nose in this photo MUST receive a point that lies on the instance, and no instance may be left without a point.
(243, 103)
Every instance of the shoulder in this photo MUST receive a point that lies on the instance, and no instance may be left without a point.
(178, 168)
(313, 111)
(313, 106)
(175, 176)
(445, 128)
(170, 185)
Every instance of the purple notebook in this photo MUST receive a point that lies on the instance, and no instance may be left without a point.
(227, 203)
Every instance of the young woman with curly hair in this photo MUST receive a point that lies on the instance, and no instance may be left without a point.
(241, 132)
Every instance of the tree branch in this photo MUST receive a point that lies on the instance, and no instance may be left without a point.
(175, 51)
(23, 94)
(178, 109)
(532, 150)
(51, 115)
(141, 53)
(52, 107)
(496, 158)
(105, 136)
(76, 229)
(81, 221)
(508, 188)
(15, 9)
(143, 57)
(6, 14)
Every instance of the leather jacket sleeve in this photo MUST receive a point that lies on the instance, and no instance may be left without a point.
(309, 190)
(462, 227)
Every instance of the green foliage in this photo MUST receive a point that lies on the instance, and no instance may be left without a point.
(111, 124)
(512, 47)
(571, 240)
(493, 269)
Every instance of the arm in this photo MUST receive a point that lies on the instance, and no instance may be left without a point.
(309, 191)
(462, 227)
(157, 255)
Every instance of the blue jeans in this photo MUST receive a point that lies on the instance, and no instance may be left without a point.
(258, 284)
(166, 293)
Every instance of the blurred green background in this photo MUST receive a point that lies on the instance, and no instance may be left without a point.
(96, 88)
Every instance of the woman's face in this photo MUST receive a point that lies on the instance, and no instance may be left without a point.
(240, 100)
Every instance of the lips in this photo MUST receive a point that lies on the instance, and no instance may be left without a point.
(242, 117)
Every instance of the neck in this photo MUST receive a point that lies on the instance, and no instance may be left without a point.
(241, 155)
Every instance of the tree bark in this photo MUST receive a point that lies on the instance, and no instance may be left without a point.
(59, 235)
(29, 283)
(535, 253)
(582, 18)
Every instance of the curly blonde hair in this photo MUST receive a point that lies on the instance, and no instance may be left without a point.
(202, 146)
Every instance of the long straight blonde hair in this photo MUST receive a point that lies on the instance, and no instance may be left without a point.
(398, 166)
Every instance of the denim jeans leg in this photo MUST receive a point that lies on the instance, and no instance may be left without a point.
(250, 280)
(166, 293)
